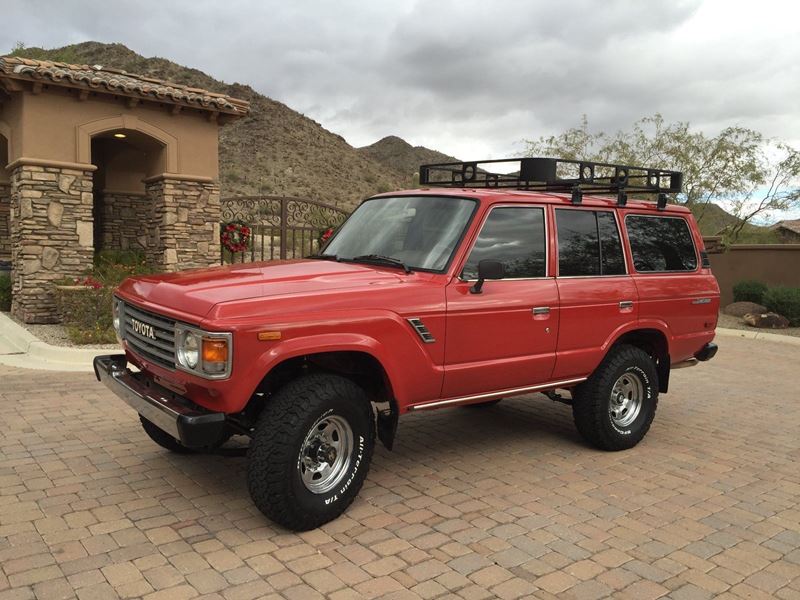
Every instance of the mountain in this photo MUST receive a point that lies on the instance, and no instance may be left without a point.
(274, 150)
(402, 157)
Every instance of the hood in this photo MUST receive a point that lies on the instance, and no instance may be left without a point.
(197, 291)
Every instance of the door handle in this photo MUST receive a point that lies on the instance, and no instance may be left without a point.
(625, 304)
(541, 310)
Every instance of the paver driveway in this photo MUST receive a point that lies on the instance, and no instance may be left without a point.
(501, 502)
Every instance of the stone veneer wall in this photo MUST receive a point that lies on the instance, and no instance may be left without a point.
(51, 235)
(183, 224)
(5, 214)
(122, 221)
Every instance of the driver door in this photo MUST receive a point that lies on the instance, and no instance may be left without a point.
(504, 337)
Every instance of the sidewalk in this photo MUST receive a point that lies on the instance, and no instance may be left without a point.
(20, 348)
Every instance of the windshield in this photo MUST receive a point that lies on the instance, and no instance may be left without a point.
(420, 231)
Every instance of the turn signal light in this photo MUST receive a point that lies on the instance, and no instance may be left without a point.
(215, 350)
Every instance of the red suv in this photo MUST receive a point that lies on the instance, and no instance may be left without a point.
(477, 287)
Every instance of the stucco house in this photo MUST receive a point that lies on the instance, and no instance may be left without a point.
(789, 231)
(96, 158)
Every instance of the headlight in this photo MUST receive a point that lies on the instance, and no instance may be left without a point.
(115, 314)
(189, 350)
(204, 353)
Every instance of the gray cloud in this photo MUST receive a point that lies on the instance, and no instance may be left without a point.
(466, 77)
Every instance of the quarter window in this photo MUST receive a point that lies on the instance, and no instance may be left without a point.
(660, 244)
(514, 236)
(588, 243)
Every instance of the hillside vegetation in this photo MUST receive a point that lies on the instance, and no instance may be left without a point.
(400, 156)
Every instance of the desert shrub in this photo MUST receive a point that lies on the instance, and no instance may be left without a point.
(112, 267)
(85, 303)
(749, 291)
(85, 308)
(784, 301)
(5, 292)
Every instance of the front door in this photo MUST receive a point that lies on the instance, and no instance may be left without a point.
(505, 336)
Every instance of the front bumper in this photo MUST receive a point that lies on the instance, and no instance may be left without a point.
(193, 426)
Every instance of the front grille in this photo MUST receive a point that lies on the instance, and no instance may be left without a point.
(160, 350)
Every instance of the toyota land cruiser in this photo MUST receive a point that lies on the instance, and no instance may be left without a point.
(478, 286)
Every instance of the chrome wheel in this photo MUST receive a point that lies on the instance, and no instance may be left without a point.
(325, 454)
(627, 396)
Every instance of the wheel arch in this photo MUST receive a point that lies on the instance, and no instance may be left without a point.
(358, 364)
(656, 343)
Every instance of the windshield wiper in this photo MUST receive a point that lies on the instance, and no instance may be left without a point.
(379, 259)
(324, 257)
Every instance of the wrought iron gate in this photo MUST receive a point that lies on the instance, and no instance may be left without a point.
(281, 227)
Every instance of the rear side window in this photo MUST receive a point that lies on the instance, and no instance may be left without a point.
(514, 236)
(661, 244)
(588, 243)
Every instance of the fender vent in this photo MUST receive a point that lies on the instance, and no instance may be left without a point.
(421, 330)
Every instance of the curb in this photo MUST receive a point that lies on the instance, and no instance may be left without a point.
(33, 353)
(759, 335)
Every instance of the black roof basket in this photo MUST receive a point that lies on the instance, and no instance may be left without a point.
(577, 177)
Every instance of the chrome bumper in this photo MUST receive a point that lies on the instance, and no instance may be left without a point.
(195, 427)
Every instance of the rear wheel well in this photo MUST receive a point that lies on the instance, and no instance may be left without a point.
(655, 344)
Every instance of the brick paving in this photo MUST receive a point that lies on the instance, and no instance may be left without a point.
(504, 502)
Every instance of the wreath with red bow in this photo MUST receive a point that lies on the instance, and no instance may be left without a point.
(235, 236)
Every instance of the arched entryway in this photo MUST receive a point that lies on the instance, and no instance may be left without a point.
(122, 210)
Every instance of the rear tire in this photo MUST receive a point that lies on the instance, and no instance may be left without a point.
(614, 408)
(310, 451)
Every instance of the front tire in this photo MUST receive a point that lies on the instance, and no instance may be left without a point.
(165, 440)
(162, 438)
(310, 451)
(614, 408)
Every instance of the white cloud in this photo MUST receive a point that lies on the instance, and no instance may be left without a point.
(470, 78)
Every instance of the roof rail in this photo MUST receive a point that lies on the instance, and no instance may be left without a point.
(557, 175)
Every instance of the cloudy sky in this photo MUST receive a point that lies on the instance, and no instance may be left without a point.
(470, 78)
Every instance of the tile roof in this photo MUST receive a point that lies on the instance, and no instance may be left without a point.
(792, 225)
(102, 79)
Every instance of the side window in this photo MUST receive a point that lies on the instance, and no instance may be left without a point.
(588, 243)
(515, 236)
(661, 244)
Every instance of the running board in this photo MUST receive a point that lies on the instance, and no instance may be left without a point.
(500, 394)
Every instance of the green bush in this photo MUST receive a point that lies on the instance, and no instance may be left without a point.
(749, 291)
(5, 292)
(784, 301)
(85, 302)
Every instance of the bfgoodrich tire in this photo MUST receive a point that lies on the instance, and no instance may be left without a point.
(310, 451)
(614, 408)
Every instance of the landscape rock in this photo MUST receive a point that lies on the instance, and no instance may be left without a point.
(767, 320)
(740, 309)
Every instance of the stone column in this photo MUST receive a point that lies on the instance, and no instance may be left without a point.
(5, 231)
(183, 224)
(51, 235)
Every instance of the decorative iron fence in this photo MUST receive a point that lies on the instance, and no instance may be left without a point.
(280, 227)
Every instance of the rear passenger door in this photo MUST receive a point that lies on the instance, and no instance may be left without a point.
(597, 296)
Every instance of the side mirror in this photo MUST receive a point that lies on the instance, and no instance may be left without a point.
(487, 269)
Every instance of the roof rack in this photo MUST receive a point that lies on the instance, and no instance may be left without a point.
(557, 175)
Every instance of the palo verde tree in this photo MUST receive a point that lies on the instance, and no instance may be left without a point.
(750, 174)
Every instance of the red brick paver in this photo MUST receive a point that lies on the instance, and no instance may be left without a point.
(505, 502)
